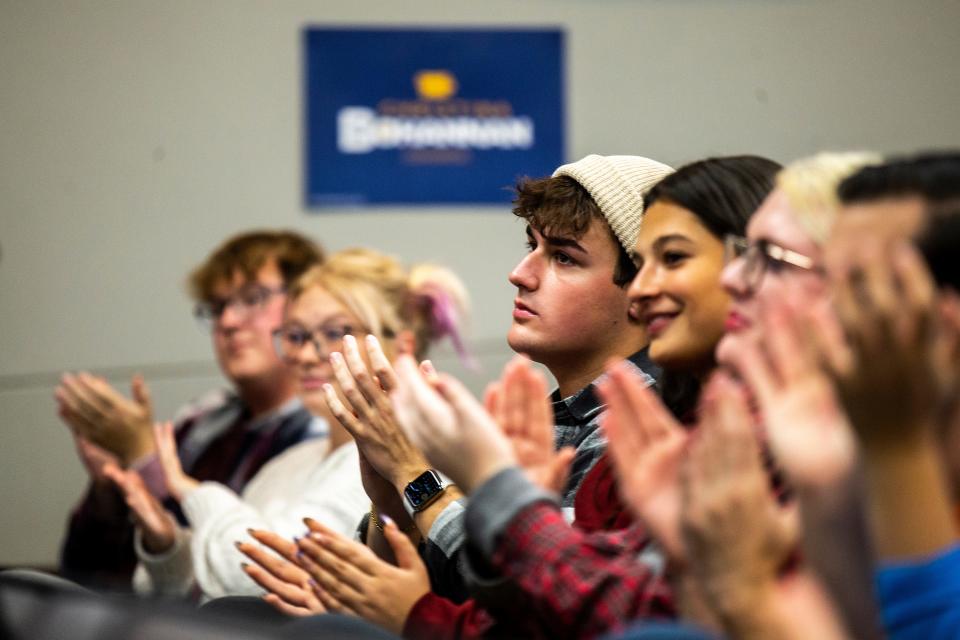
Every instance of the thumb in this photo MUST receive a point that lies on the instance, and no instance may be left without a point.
(141, 393)
(403, 550)
(560, 468)
(115, 475)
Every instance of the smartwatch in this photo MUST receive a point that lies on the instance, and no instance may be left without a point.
(422, 491)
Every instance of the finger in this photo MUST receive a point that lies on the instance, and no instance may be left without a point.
(317, 549)
(624, 442)
(491, 401)
(358, 369)
(141, 393)
(918, 291)
(879, 280)
(81, 400)
(351, 551)
(382, 368)
(560, 469)
(826, 332)
(467, 408)
(734, 429)
(331, 575)
(403, 550)
(281, 568)
(107, 397)
(779, 335)
(429, 371)
(539, 410)
(356, 403)
(293, 594)
(513, 393)
(285, 608)
(331, 603)
(341, 413)
(754, 369)
(649, 414)
(286, 548)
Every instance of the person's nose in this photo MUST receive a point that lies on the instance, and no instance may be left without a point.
(526, 274)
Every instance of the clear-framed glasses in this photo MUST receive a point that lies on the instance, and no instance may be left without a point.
(249, 299)
(762, 256)
(289, 341)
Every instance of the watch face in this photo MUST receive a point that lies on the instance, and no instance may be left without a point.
(422, 489)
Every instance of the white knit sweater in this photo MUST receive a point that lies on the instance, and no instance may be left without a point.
(302, 481)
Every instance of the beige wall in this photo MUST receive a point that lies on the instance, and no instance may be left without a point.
(136, 134)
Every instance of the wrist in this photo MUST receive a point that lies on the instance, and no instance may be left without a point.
(482, 471)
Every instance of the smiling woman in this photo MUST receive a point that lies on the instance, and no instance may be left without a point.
(680, 255)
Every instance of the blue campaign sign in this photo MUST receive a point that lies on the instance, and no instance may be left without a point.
(417, 116)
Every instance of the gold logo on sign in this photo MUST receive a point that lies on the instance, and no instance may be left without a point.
(435, 84)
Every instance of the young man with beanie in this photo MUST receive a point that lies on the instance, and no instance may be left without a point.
(571, 314)
(226, 436)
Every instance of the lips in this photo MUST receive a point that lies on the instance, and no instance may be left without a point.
(312, 383)
(522, 311)
(657, 323)
(735, 322)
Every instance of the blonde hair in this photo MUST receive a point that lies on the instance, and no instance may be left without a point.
(427, 299)
(810, 186)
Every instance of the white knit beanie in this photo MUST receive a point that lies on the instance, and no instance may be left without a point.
(618, 185)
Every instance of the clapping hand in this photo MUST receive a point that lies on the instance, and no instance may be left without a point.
(178, 483)
(646, 445)
(520, 405)
(102, 415)
(442, 419)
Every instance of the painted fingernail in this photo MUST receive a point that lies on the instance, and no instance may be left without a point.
(252, 532)
(238, 544)
(317, 537)
(328, 388)
(336, 357)
(372, 340)
(387, 519)
(244, 565)
(350, 340)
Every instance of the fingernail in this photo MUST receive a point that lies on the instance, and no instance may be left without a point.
(251, 531)
(387, 519)
(350, 340)
(335, 356)
(245, 565)
(372, 340)
(317, 537)
(237, 544)
(328, 388)
(313, 583)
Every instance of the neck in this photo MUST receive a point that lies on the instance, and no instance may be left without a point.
(262, 397)
(575, 373)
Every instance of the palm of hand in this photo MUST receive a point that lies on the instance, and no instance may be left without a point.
(808, 431)
(653, 489)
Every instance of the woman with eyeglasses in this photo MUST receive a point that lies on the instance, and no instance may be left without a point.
(357, 292)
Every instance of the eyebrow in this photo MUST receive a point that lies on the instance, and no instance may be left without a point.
(662, 240)
(339, 317)
(559, 241)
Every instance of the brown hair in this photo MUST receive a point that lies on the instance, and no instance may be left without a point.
(562, 206)
(427, 299)
(248, 252)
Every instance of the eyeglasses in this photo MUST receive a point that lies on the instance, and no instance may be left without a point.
(762, 256)
(246, 301)
(290, 341)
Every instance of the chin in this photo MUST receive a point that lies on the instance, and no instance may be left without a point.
(727, 346)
